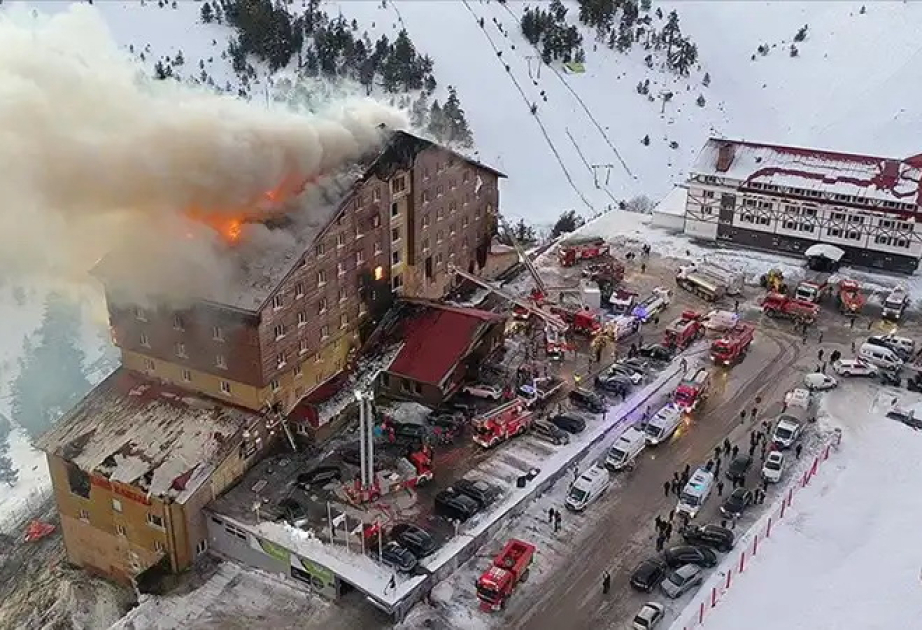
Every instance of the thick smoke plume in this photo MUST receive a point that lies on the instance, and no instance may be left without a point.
(98, 159)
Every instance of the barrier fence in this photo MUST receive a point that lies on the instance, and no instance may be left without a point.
(714, 590)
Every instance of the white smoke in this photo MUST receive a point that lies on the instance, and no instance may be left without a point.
(96, 156)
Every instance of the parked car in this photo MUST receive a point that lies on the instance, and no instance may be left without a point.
(619, 385)
(550, 432)
(455, 506)
(292, 511)
(415, 538)
(448, 421)
(648, 617)
(569, 422)
(319, 476)
(854, 367)
(399, 558)
(410, 432)
(635, 376)
(482, 492)
(817, 381)
(773, 467)
(736, 503)
(656, 352)
(786, 432)
(689, 554)
(682, 580)
(352, 454)
(648, 574)
(713, 536)
(739, 467)
(481, 390)
(637, 364)
(588, 400)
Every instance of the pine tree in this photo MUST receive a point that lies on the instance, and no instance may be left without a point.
(801, 34)
(179, 60)
(700, 100)
(645, 140)
(524, 233)
(567, 222)
(419, 112)
(456, 127)
(671, 31)
(706, 81)
(438, 125)
(207, 13)
(159, 71)
(625, 39)
(51, 377)
(646, 5)
(8, 474)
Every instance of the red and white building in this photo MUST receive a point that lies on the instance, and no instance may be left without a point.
(786, 199)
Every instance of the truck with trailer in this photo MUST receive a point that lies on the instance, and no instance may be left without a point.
(572, 250)
(510, 566)
(814, 287)
(502, 423)
(692, 391)
(779, 305)
(706, 287)
(684, 331)
(895, 304)
(732, 347)
(733, 281)
(652, 306)
(851, 299)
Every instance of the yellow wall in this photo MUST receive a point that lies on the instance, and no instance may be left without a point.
(315, 369)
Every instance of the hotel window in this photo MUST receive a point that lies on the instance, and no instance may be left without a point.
(178, 323)
(321, 278)
(145, 340)
(343, 320)
(453, 183)
(452, 207)
(275, 385)
(426, 220)
(359, 257)
(154, 520)
(438, 236)
(120, 529)
(378, 248)
(159, 546)
(376, 221)
(140, 314)
(834, 232)
(439, 191)
(181, 351)
(439, 213)
(395, 234)
(324, 332)
(320, 249)
(279, 331)
(340, 240)
(397, 282)
(298, 370)
(149, 365)
(299, 290)
(220, 361)
(464, 222)
(342, 294)
(707, 194)
(302, 346)
(395, 258)
(398, 185)
(466, 177)
(425, 244)
(395, 209)
(225, 388)
(322, 305)
(302, 319)
(376, 194)
(84, 515)
(277, 302)
(187, 376)
(340, 268)
(425, 196)
(116, 505)
(201, 547)
(280, 360)
(217, 333)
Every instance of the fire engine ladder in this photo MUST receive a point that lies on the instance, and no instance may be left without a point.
(523, 257)
(551, 319)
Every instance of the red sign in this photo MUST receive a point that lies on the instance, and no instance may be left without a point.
(120, 490)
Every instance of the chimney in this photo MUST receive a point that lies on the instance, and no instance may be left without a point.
(725, 152)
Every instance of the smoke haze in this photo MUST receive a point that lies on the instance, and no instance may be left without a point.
(96, 157)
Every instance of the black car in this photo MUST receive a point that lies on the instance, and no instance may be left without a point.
(482, 492)
(713, 536)
(352, 454)
(739, 467)
(414, 538)
(648, 575)
(656, 352)
(736, 503)
(410, 432)
(397, 557)
(689, 554)
(636, 364)
(291, 511)
(571, 423)
(319, 476)
(587, 400)
(455, 506)
(550, 432)
(617, 385)
(447, 421)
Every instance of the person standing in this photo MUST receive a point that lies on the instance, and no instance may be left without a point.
(720, 488)
(606, 583)
(550, 515)
(727, 446)
(798, 450)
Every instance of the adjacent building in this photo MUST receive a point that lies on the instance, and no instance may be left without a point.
(202, 389)
(785, 199)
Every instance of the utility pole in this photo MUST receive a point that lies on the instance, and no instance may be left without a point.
(537, 59)
(595, 173)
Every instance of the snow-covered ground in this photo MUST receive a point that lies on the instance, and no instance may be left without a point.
(843, 557)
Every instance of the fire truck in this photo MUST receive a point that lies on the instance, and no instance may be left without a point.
(732, 281)
(622, 302)
(582, 320)
(779, 305)
(610, 272)
(814, 288)
(653, 305)
(510, 567)
(573, 250)
(895, 304)
(621, 326)
(502, 423)
(733, 346)
(692, 391)
(684, 331)
(405, 473)
(851, 299)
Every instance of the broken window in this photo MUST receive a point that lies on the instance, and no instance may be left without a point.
(78, 481)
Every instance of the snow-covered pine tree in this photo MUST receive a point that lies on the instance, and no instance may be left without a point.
(207, 13)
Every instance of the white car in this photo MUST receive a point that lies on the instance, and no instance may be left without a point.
(483, 391)
(771, 469)
(817, 381)
(854, 367)
(648, 616)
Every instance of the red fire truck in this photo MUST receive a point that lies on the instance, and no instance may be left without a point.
(575, 249)
(684, 331)
(582, 320)
(733, 346)
(502, 423)
(851, 299)
(690, 392)
(509, 567)
(780, 305)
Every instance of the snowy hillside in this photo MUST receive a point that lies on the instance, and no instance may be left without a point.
(829, 95)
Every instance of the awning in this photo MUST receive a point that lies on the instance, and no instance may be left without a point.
(823, 250)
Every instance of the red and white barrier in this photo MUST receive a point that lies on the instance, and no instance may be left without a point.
(717, 587)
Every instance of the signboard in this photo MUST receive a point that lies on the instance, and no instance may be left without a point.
(276, 551)
(319, 577)
(119, 489)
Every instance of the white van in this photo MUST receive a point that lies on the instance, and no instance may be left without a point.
(621, 455)
(587, 488)
(662, 425)
(904, 347)
(696, 492)
(880, 356)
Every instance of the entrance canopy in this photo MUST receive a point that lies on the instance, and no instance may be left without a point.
(824, 250)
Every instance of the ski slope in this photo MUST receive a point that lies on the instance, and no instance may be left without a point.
(846, 559)
(847, 89)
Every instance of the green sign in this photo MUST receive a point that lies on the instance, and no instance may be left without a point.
(575, 67)
(320, 572)
(276, 551)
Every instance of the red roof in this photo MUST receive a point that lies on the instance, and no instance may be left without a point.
(435, 341)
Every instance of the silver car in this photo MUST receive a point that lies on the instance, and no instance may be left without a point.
(682, 580)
